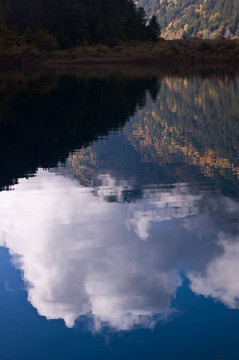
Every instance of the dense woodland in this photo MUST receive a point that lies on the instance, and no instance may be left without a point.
(53, 24)
(191, 17)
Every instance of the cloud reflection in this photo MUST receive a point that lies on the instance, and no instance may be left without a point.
(119, 262)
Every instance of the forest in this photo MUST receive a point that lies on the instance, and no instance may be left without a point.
(63, 24)
(180, 18)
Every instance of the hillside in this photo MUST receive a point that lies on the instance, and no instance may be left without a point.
(206, 18)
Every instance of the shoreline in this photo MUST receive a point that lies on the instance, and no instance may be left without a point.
(195, 52)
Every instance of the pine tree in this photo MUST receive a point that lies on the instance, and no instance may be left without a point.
(154, 29)
(78, 32)
(74, 22)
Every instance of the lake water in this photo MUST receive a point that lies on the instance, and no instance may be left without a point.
(119, 216)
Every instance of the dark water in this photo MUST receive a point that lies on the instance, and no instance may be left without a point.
(119, 216)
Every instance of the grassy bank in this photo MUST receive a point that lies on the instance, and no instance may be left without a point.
(196, 52)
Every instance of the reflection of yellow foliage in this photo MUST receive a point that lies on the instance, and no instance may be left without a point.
(185, 82)
(213, 93)
(207, 160)
(174, 108)
(159, 141)
(159, 144)
(82, 164)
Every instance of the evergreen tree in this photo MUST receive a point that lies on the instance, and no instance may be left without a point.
(154, 29)
(74, 22)
(78, 32)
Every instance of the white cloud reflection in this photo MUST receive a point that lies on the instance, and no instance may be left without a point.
(81, 255)
(220, 279)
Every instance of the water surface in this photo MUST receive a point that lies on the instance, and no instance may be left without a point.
(119, 217)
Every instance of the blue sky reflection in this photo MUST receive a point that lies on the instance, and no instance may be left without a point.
(120, 262)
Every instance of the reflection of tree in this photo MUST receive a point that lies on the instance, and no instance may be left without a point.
(195, 122)
(208, 110)
(189, 132)
(40, 127)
